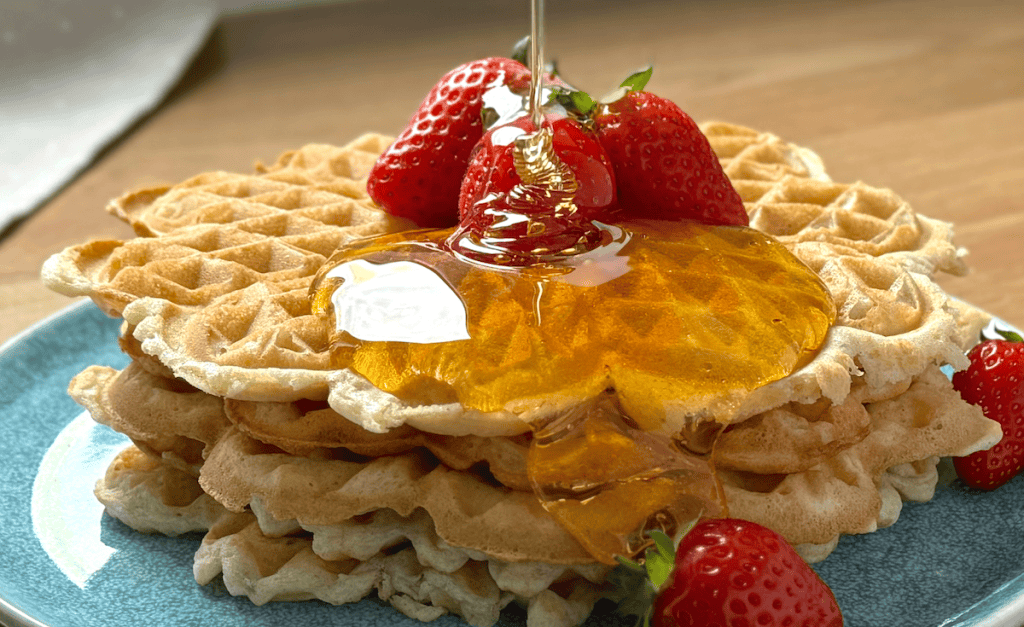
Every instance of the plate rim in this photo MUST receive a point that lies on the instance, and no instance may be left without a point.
(10, 614)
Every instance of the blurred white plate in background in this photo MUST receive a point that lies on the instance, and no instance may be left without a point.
(74, 75)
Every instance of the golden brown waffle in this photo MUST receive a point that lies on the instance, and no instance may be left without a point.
(853, 491)
(302, 193)
(153, 496)
(305, 427)
(254, 240)
(848, 492)
(788, 195)
(131, 346)
(343, 563)
(165, 417)
(171, 419)
(468, 511)
(780, 468)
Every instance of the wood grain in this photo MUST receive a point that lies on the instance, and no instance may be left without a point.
(923, 97)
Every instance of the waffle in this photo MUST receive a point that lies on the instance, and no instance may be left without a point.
(288, 569)
(860, 489)
(342, 563)
(165, 417)
(778, 468)
(229, 242)
(151, 495)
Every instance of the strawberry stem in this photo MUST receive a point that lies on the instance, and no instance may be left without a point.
(521, 51)
(1009, 335)
(578, 104)
(998, 333)
(660, 558)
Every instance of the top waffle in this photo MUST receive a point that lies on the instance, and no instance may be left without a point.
(216, 286)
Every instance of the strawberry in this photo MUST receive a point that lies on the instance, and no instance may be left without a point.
(994, 380)
(732, 572)
(664, 165)
(525, 221)
(491, 169)
(419, 175)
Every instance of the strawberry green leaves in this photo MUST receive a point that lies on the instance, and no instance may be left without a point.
(638, 80)
(637, 583)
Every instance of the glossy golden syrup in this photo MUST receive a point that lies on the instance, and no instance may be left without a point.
(679, 319)
(608, 483)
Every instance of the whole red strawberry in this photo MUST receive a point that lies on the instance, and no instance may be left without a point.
(419, 175)
(995, 382)
(724, 572)
(491, 170)
(735, 572)
(664, 165)
(520, 222)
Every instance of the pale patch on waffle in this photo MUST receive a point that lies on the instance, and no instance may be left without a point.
(131, 346)
(155, 497)
(970, 322)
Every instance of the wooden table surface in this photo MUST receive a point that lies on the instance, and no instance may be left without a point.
(923, 97)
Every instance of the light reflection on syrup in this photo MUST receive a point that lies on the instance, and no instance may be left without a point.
(399, 301)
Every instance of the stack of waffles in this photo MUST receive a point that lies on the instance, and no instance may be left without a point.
(310, 483)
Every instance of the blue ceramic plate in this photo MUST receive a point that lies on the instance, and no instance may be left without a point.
(958, 560)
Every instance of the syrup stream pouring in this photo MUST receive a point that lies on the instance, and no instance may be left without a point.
(536, 61)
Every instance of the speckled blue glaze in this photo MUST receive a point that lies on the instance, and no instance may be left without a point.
(958, 560)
